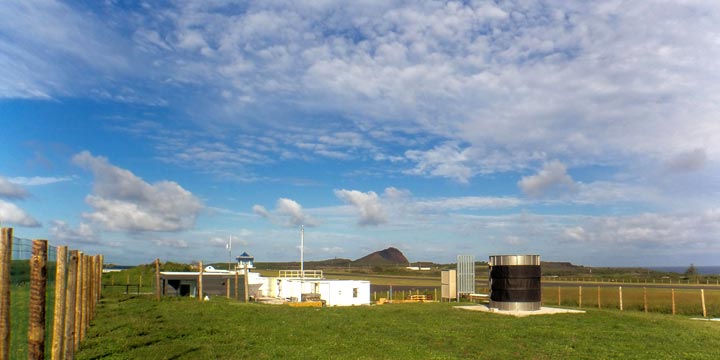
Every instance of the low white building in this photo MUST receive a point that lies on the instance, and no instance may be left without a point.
(290, 285)
(334, 292)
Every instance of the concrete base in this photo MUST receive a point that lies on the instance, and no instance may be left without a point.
(542, 311)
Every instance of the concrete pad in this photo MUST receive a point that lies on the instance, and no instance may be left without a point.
(542, 311)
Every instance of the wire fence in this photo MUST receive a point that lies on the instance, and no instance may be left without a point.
(22, 249)
(48, 296)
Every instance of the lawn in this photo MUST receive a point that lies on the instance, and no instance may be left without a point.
(136, 327)
(659, 300)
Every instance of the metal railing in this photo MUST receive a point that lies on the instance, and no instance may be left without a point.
(297, 274)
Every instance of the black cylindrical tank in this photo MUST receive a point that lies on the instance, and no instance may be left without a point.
(515, 282)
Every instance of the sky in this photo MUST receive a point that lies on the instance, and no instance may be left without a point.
(582, 131)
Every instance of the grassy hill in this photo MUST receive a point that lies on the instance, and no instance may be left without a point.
(389, 256)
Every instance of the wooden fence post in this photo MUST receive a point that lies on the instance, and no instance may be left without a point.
(702, 297)
(5, 261)
(200, 284)
(237, 283)
(245, 280)
(81, 299)
(227, 287)
(86, 299)
(70, 298)
(38, 286)
(620, 295)
(78, 301)
(645, 304)
(99, 280)
(91, 288)
(59, 312)
(157, 279)
(558, 295)
(672, 293)
(598, 296)
(100, 275)
(579, 296)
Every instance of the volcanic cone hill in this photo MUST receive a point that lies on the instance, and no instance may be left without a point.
(389, 256)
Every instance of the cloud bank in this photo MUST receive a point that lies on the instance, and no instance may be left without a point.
(124, 202)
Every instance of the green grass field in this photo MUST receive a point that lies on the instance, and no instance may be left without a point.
(136, 327)
(687, 301)
(133, 327)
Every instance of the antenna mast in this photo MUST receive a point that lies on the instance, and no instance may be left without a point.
(302, 251)
(229, 247)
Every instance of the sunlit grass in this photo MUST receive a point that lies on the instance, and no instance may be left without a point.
(140, 328)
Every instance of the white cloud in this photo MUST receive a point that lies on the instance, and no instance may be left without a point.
(400, 208)
(502, 79)
(575, 233)
(687, 161)
(124, 202)
(172, 243)
(607, 192)
(513, 83)
(38, 180)
(552, 178)
(672, 231)
(261, 210)
(395, 193)
(11, 214)
(287, 212)
(467, 203)
(10, 190)
(367, 204)
(293, 212)
(446, 160)
(85, 234)
(45, 34)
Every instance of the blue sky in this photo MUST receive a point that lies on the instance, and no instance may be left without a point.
(581, 131)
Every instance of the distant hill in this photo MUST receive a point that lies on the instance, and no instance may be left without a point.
(389, 256)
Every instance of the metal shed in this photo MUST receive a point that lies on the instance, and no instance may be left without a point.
(185, 284)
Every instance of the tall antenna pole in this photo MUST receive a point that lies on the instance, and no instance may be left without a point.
(229, 247)
(302, 251)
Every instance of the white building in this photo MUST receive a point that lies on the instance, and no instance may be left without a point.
(290, 285)
(334, 292)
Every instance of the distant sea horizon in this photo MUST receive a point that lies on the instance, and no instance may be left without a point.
(702, 270)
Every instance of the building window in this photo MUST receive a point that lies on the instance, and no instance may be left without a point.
(355, 291)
